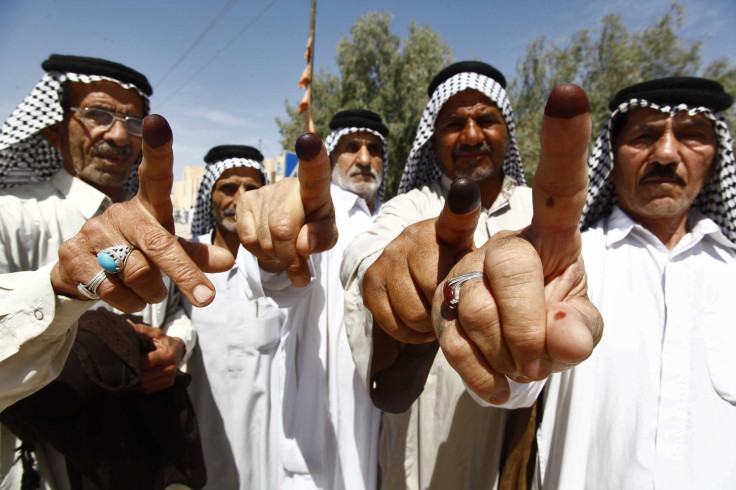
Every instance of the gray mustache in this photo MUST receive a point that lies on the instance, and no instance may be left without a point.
(106, 148)
(229, 212)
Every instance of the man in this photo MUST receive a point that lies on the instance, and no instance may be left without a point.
(64, 140)
(234, 374)
(653, 407)
(330, 428)
(466, 130)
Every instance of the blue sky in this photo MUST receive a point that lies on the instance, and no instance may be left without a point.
(230, 88)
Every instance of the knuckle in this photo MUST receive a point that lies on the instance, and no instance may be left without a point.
(157, 240)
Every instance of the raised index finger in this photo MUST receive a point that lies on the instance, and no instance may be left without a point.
(459, 216)
(561, 180)
(315, 174)
(156, 172)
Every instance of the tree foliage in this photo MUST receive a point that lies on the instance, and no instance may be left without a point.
(380, 72)
(603, 62)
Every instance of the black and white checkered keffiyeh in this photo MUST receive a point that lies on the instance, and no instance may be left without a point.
(422, 167)
(334, 137)
(25, 155)
(203, 220)
(717, 198)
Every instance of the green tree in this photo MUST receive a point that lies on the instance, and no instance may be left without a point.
(602, 62)
(380, 72)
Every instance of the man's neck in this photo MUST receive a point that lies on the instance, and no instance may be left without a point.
(669, 231)
(226, 239)
(489, 191)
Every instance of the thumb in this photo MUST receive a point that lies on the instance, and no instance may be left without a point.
(456, 224)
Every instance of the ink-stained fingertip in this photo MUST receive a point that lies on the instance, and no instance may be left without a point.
(307, 146)
(567, 101)
(156, 130)
(464, 196)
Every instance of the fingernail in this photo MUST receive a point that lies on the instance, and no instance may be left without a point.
(156, 130)
(499, 397)
(464, 196)
(202, 293)
(307, 146)
(566, 101)
(538, 369)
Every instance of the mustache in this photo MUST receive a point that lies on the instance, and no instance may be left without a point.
(664, 172)
(479, 148)
(106, 148)
(359, 170)
(229, 212)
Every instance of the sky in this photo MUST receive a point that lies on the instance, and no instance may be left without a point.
(222, 70)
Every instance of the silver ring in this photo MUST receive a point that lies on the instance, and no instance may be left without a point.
(451, 289)
(113, 259)
(90, 289)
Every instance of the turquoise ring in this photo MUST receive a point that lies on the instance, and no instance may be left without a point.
(112, 259)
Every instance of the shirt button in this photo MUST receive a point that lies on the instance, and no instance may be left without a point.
(38, 314)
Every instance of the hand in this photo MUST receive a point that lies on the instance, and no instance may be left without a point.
(146, 222)
(160, 365)
(399, 286)
(283, 223)
(531, 315)
(398, 289)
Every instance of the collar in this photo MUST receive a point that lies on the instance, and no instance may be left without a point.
(345, 199)
(88, 200)
(620, 225)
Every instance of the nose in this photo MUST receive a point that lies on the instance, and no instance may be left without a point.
(363, 158)
(117, 133)
(241, 190)
(666, 148)
(471, 134)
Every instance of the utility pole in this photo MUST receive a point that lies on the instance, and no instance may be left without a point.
(310, 65)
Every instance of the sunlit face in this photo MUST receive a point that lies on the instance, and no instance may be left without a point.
(101, 157)
(227, 190)
(358, 164)
(662, 162)
(470, 137)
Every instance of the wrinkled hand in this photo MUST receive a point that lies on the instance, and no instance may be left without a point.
(159, 365)
(146, 222)
(530, 316)
(399, 286)
(284, 223)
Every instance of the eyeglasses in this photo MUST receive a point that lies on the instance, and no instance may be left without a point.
(95, 117)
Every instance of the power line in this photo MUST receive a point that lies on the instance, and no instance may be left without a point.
(219, 51)
(214, 22)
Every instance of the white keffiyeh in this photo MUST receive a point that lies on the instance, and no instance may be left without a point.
(25, 155)
(422, 167)
(717, 198)
(203, 220)
(334, 137)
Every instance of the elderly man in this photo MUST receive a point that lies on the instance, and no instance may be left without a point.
(434, 435)
(75, 142)
(234, 374)
(330, 428)
(653, 407)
